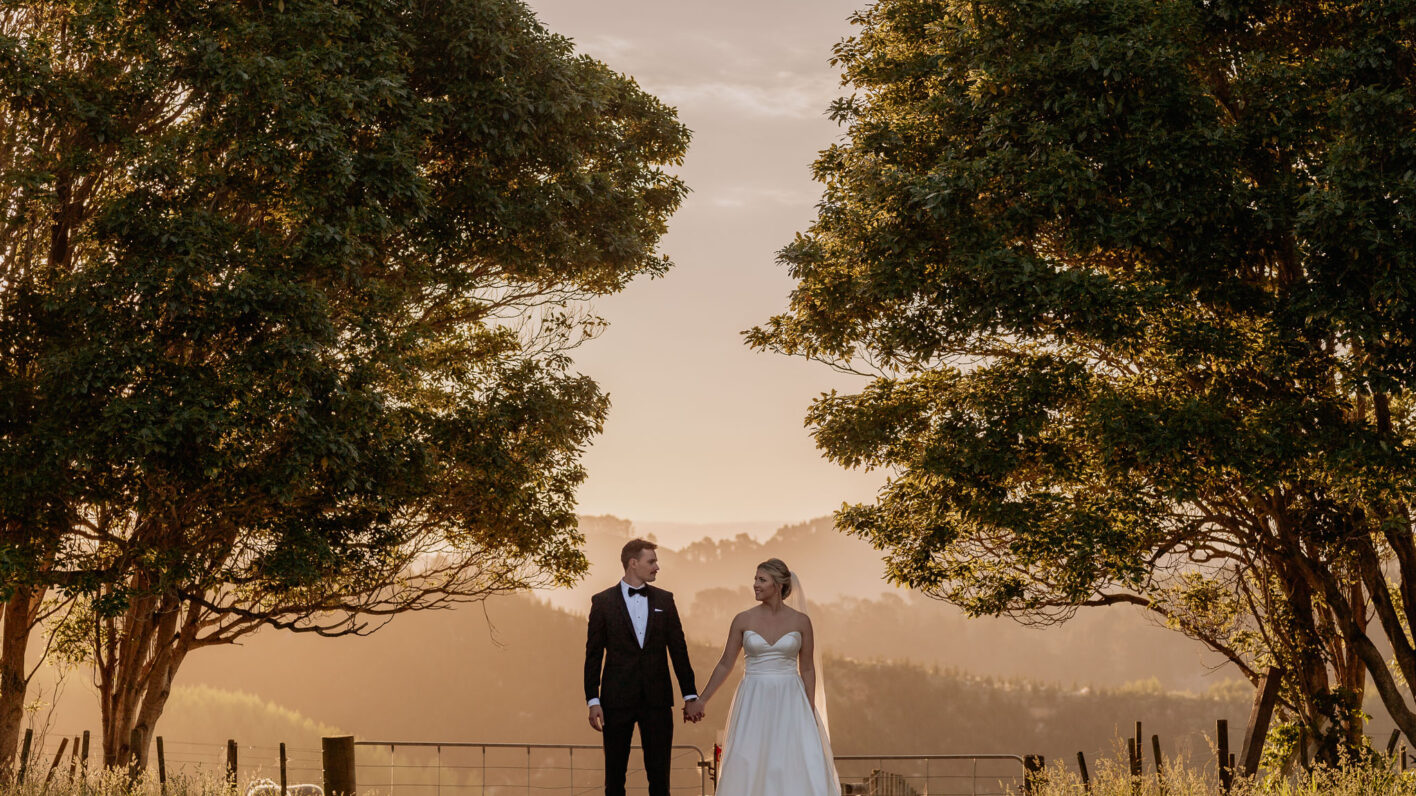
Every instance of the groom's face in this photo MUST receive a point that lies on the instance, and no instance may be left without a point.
(645, 567)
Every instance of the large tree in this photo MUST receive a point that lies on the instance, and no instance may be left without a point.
(1132, 283)
(287, 297)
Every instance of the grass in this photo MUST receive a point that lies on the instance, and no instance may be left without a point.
(115, 782)
(1112, 779)
(1109, 779)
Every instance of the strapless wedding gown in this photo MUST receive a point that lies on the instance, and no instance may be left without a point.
(775, 744)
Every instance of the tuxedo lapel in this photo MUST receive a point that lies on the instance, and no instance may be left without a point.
(651, 625)
(624, 619)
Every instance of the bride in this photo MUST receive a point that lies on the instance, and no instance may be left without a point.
(777, 743)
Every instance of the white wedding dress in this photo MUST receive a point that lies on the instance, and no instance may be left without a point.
(775, 744)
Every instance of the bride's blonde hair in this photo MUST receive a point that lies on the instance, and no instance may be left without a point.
(777, 570)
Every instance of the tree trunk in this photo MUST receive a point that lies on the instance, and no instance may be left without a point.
(1309, 665)
(18, 614)
(136, 674)
(128, 644)
(1352, 672)
(1349, 615)
(170, 650)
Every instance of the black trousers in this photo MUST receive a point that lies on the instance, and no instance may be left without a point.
(656, 735)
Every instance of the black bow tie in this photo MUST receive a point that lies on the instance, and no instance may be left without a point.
(642, 591)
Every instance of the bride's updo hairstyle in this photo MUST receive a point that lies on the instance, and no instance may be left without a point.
(777, 570)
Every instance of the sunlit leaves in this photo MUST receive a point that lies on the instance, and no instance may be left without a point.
(1133, 282)
(288, 292)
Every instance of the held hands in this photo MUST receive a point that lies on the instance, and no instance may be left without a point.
(597, 718)
(693, 711)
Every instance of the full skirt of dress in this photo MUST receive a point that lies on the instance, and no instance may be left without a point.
(775, 744)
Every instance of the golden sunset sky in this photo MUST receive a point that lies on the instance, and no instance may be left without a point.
(703, 429)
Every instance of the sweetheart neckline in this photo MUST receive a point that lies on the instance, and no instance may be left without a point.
(779, 638)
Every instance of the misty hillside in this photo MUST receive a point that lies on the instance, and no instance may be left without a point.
(447, 676)
(857, 614)
(904, 674)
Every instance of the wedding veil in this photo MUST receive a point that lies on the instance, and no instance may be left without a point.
(797, 600)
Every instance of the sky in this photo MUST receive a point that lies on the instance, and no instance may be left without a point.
(703, 429)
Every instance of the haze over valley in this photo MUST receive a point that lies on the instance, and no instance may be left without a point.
(904, 673)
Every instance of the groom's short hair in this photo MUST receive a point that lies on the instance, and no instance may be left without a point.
(633, 549)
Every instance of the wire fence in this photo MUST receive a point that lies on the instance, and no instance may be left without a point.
(931, 775)
(60, 756)
(394, 768)
(489, 769)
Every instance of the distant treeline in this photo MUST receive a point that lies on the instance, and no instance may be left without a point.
(512, 672)
(859, 615)
(447, 676)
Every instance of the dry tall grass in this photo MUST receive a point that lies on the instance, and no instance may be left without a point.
(114, 782)
(1111, 779)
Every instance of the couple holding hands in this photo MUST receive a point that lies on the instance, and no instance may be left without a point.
(776, 742)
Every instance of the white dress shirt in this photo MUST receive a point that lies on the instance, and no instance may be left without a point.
(638, 605)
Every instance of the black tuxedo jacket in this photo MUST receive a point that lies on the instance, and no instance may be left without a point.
(631, 676)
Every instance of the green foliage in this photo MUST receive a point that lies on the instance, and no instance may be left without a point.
(287, 298)
(265, 269)
(1133, 282)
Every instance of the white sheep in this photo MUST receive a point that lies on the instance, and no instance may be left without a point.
(269, 787)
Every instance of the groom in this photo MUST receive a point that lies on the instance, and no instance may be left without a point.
(634, 630)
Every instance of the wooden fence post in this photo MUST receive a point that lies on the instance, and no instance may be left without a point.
(1082, 767)
(338, 759)
(58, 758)
(282, 770)
(1226, 772)
(231, 763)
(83, 765)
(25, 753)
(161, 767)
(1259, 716)
(1033, 774)
(1159, 766)
(1133, 764)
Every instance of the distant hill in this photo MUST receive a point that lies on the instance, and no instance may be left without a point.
(859, 615)
(447, 676)
(196, 725)
(680, 534)
(450, 676)
(904, 674)
(832, 565)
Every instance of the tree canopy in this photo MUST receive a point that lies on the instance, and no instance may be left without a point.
(287, 296)
(1133, 285)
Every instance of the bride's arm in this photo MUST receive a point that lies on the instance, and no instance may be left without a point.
(725, 663)
(806, 661)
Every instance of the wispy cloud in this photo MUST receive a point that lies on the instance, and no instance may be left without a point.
(703, 72)
(757, 196)
(609, 49)
(791, 96)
